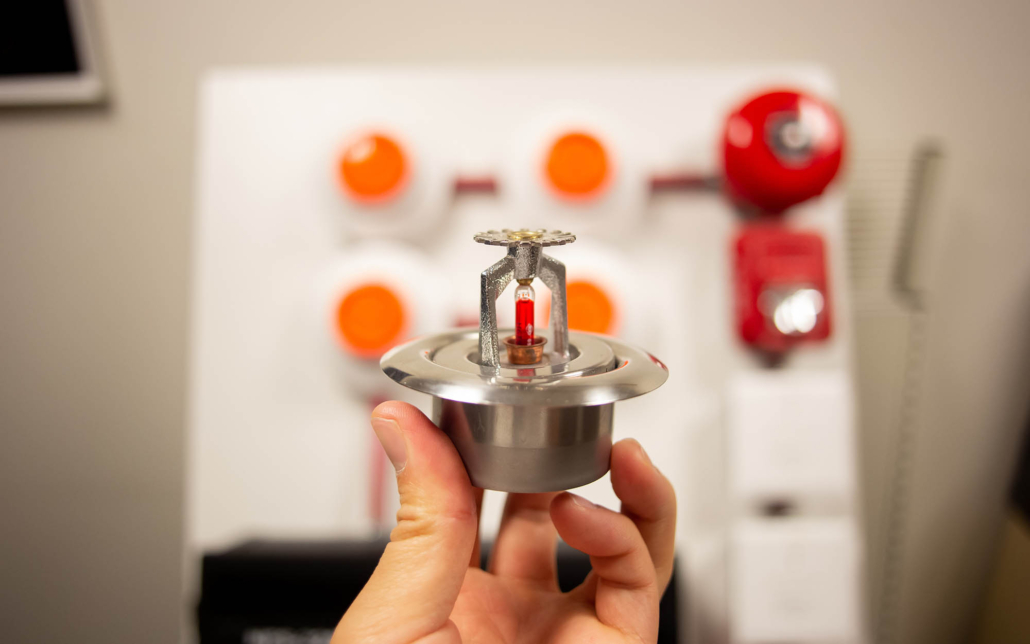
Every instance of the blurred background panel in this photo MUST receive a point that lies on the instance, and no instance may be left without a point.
(96, 245)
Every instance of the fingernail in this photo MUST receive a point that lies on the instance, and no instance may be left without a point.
(580, 501)
(389, 434)
(643, 454)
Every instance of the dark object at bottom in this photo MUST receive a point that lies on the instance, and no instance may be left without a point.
(272, 592)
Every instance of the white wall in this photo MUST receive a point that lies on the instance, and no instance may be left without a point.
(95, 212)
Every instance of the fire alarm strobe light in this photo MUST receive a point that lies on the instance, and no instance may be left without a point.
(526, 419)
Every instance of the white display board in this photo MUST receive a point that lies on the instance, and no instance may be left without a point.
(279, 440)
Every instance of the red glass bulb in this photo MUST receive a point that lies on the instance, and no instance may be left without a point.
(524, 314)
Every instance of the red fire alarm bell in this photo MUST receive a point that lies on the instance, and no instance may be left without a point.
(781, 148)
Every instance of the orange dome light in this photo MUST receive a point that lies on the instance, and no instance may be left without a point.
(370, 320)
(373, 168)
(590, 308)
(577, 166)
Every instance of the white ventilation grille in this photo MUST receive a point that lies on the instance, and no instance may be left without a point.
(878, 189)
(888, 202)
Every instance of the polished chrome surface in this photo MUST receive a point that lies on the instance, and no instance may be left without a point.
(600, 370)
(526, 427)
(528, 449)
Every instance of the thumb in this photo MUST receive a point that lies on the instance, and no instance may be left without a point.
(413, 589)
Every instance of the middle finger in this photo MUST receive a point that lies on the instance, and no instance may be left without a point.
(527, 542)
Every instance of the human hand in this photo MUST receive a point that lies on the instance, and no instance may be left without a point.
(429, 589)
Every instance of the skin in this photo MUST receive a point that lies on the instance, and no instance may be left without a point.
(428, 587)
